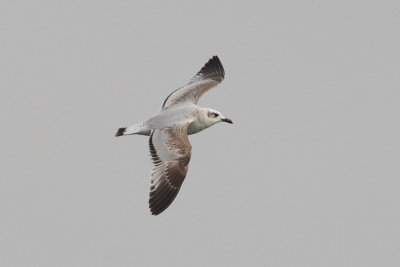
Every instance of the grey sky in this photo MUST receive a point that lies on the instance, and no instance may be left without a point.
(308, 174)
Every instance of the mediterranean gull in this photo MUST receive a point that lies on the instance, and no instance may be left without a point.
(179, 117)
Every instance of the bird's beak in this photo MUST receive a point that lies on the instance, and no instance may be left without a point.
(227, 120)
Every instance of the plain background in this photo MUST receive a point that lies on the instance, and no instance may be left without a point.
(308, 174)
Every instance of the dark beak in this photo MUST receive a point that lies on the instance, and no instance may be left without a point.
(227, 120)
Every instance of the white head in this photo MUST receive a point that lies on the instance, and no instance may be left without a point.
(211, 117)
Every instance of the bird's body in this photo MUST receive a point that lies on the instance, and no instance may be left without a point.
(169, 145)
(175, 115)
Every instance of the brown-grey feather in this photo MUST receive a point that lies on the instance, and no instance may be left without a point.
(163, 192)
(210, 75)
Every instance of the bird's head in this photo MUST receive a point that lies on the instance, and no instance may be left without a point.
(214, 117)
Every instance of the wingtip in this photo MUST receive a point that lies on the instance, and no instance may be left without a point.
(161, 198)
(215, 61)
(213, 68)
(154, 213)
(216, 58)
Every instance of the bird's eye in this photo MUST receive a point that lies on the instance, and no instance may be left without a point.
(214, 115)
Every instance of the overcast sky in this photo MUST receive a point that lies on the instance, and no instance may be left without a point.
(308, 174)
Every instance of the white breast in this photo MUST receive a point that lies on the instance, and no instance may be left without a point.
(199, 125)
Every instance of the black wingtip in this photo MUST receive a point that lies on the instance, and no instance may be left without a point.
(120, 131)
(213, 69)
(159, 204)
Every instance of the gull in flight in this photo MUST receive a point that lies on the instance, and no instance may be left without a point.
(179, 117)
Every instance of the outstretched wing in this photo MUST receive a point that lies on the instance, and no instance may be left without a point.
(208, 77)
(170, 150)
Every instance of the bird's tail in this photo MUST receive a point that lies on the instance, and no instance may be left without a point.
(140, 128)
(120, 132)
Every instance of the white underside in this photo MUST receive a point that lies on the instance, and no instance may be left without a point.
(179, 114)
